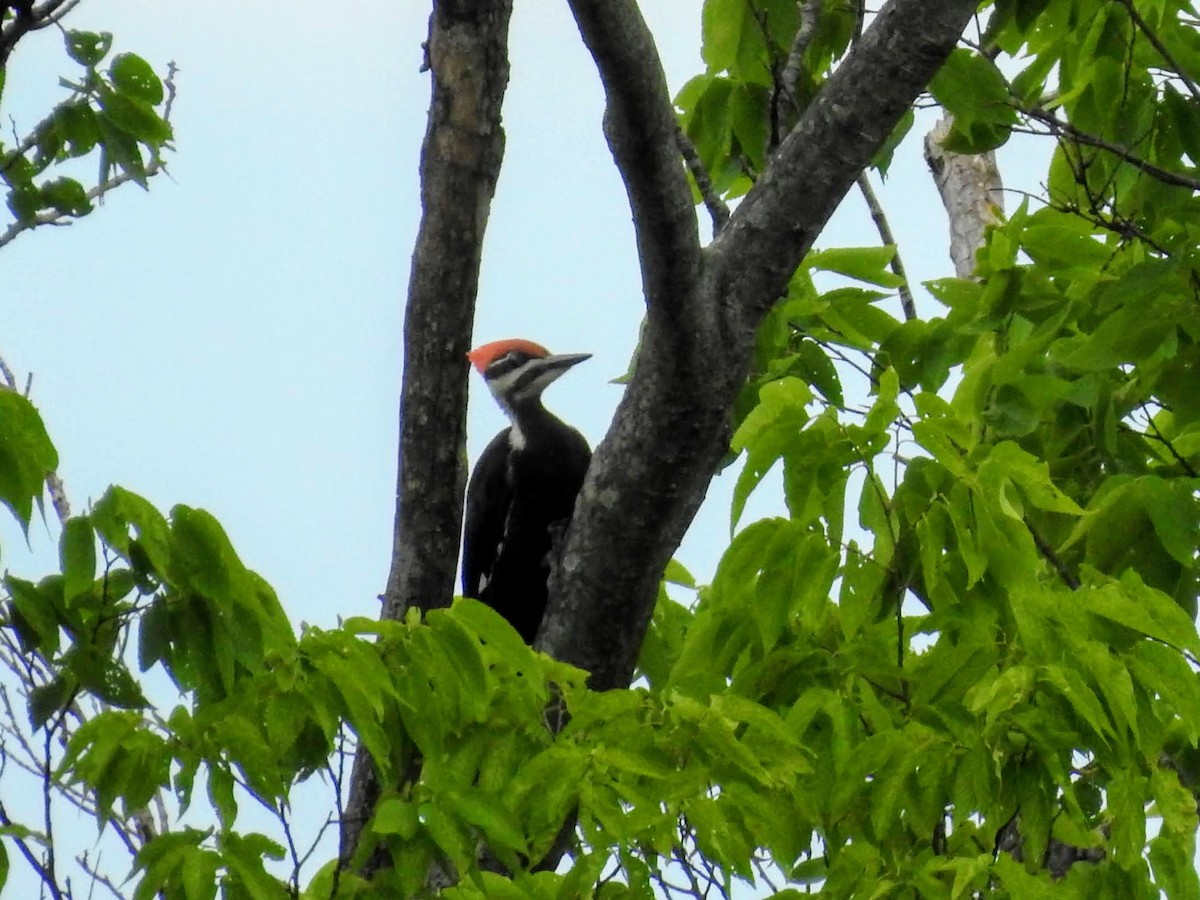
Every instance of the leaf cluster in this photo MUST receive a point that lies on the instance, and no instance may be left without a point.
(116, 112)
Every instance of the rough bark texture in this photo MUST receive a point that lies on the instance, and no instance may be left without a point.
(972, 193)
(651, 471)
(467, 54)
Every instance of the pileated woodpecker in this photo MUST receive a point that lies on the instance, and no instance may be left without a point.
(522, 492)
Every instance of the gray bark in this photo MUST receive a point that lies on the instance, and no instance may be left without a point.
(652, 469)
(467, 54)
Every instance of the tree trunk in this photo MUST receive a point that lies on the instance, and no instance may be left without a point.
(467, 54)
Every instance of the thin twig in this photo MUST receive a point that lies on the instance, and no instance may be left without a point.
(151, 169)
(1058, 127)
(885, 234)
(97, 876)
(713, 203)
(30, 857)
(1187, 467)
(1158, 45)
(1068, 578)
(810, 14)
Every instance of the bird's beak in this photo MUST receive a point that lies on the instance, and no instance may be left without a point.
(563, 361)
(541, 372)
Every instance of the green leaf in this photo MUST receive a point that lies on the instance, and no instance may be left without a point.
(77, 127)
(67, 196)
(677, 573)
(1174, 868)
(47, 699)
(77, 554)
(970, 87)
(1007, 461)
(395, 816)
(721, 33)
(869, 264)
(1175, 512)
(88, 47)
(133, 76)
(33, 614)
(490, 815)
(26, 455)
(136, 118)
(1145, 610)
(769, 428)
(1080, 697)
(815, 367)
(492, 628)
(119, 510)
(1165, 671)
(244, 857)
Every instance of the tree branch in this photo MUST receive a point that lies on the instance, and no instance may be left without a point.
(639, 123)
(467, 53)
(716, 207)
(971, 191)
(830, 145)
(671, 429)
(460, 164)
(1059, 128)
(875, 208)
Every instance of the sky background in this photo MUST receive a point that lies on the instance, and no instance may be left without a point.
(231, 339)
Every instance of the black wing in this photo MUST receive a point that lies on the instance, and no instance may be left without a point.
(489, 497)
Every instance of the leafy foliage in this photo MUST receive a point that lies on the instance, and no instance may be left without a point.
(117, 113)
(984, 683)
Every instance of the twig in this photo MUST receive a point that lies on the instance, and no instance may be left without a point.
(1068, 578)
(97, 876)
(810, 14)
(151, 169)
(48, 802)
(46, 876)
(713, 203)
(1058, 127)
(885, 234)
(1158, 45)
(1161, 438)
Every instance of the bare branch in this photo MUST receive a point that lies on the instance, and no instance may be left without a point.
(712, 200)
(810, 14)
(640, 125)
(57, 217)
(885, 235)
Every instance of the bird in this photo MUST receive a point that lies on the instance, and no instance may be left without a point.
(522, 492)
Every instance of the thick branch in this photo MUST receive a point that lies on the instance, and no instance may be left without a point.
(650, 473)
(833, 141)
(971, 191)
(460, 163)
(640, 125)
